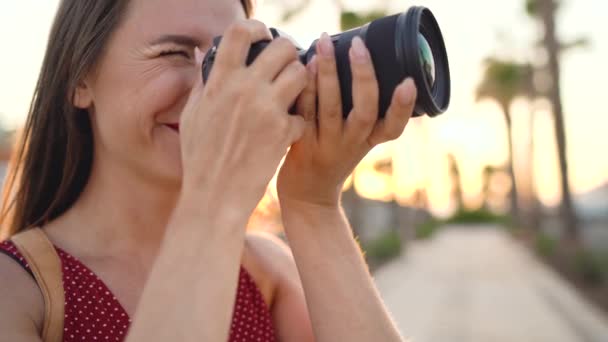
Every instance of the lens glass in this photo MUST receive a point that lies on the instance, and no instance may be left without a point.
(426, 60)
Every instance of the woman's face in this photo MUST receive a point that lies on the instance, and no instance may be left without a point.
(142, 82)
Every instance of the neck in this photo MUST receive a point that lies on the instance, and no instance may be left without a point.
(118, 214)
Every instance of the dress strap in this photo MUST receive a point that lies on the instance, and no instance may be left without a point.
(45, 264)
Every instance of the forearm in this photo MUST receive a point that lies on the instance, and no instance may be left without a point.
(190, 293)
(342, 299)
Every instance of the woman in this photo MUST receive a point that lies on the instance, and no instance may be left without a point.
(143, 178)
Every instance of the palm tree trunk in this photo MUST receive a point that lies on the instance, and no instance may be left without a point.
(513, 194)
(535, 210)
(548, 9)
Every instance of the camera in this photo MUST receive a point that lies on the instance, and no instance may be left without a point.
(407, 44)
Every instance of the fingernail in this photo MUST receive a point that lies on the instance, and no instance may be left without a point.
(359, 50)
(406, 97)
(326, 47)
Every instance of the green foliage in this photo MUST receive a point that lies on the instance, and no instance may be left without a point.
(464, 216)
(532, 7)
(350, 20)
(504, 80)
(384, 248)
(427, 229)
(545, 245)
(592, 266)
(289, 13)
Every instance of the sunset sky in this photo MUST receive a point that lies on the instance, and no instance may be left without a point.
(473, 132)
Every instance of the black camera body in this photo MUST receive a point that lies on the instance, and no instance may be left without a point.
(408, 44)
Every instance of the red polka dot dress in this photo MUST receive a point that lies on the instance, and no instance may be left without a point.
(92, 312)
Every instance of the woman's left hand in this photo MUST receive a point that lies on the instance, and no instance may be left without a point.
(317, 166)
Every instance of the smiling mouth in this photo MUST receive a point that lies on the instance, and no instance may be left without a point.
(174, 127)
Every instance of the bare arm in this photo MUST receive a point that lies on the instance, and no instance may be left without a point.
(181, 303)
(21, 303)
(288, 308)
(342, 299)
(343, 302)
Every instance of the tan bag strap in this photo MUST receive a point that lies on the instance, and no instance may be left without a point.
(45, 264)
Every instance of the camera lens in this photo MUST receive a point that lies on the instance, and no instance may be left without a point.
(407, 44)
(422, 55)
(426, 60)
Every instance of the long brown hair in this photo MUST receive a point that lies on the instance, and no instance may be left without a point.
(53, 156)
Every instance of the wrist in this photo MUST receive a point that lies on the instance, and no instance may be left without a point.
(302, 200)
(312, 214)
(302, 207)
(202, 210)
(308, 194)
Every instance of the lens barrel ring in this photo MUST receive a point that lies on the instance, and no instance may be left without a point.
(433, 99)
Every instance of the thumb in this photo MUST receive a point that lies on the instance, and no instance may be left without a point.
(197, 88)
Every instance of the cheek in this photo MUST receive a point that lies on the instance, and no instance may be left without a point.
(163, 95)
(131, 103)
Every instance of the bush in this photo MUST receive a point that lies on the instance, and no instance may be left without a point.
(477, 216)
(545, 245)
(385, 247)
(592, 266)
(427, 229)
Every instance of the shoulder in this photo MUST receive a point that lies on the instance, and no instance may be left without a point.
(287, 304)
(21, 302)
(269, 262)
(272, 252)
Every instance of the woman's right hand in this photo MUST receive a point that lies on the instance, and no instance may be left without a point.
(235, 129)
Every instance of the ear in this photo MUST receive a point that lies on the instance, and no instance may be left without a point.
(83, 98)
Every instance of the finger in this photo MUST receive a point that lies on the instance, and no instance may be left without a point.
(328, 86)
(363, 117)
(306, 105)
(234, 48)
(398, 114)
(297, 127)
(307, 101)
(275, 57)
(289, 84)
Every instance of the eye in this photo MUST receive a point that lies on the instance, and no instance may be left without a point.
(175, 53)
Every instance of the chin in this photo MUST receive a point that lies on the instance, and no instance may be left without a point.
(165, 167)
(166, 174)
(173, 176)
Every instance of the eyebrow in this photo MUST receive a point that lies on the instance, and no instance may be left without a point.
(176, 39)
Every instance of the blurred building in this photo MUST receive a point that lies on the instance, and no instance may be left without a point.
(371, 219)
(593, 205)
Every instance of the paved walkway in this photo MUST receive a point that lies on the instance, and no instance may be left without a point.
(477, 284)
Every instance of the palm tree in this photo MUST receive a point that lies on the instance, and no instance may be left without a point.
(348, 19)
(545, 11)
(487, 174)
(534, 212)
(502, 82)
(457, 194)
